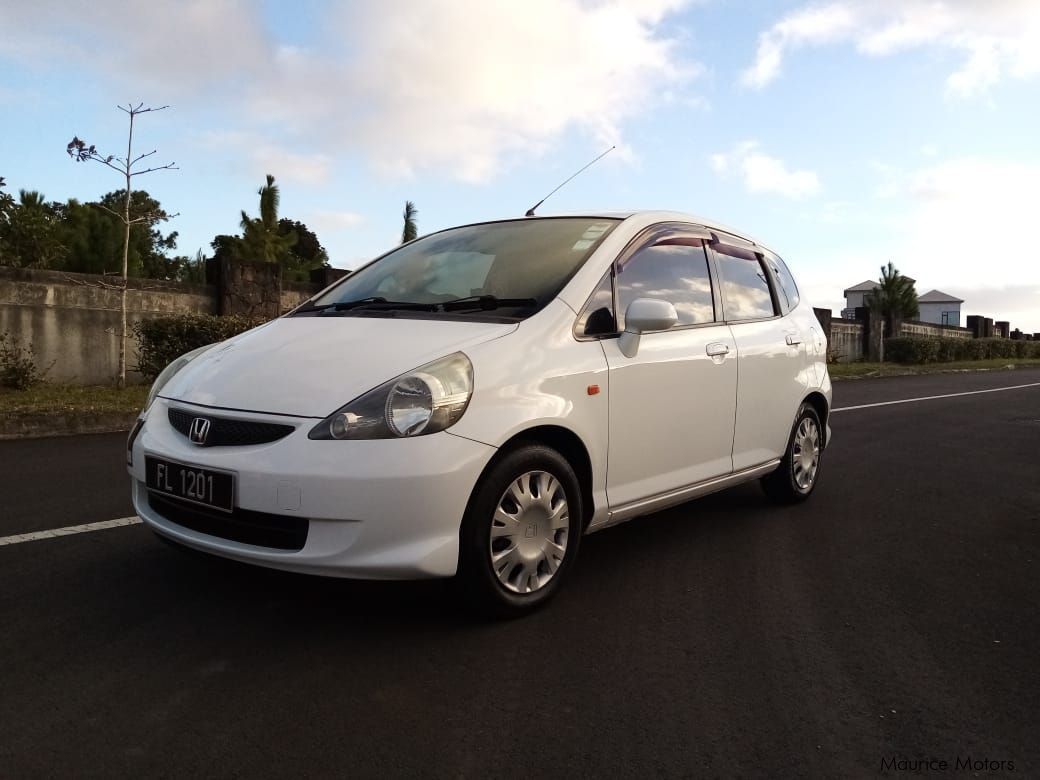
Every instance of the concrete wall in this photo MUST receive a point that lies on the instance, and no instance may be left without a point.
(846, 341)
(73, 320)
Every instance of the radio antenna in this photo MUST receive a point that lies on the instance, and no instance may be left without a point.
(530, 211)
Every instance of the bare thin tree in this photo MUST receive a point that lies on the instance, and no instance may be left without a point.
(80, 151)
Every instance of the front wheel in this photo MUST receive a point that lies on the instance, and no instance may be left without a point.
(795, 478)
(521, 532)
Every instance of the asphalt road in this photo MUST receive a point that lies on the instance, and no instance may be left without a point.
(894, 616)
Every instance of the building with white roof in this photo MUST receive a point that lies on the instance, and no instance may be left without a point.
(940, 308)
(936, 306)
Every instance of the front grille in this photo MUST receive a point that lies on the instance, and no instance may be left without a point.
(279, 532)
(226, 432)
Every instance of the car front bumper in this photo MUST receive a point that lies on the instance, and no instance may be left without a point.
(380, 509)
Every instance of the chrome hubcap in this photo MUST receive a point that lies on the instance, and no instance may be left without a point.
(806, 454)
(529, 532)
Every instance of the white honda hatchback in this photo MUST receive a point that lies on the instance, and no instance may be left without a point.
(473, 402)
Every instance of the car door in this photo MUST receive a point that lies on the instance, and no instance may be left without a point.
(771, 368)
(672, 403)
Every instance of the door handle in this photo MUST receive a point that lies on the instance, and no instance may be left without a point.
(793, 340)
(716, 348)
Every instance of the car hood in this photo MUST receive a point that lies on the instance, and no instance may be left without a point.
(311, 366)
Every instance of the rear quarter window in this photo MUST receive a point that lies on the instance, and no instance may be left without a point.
(788, 289)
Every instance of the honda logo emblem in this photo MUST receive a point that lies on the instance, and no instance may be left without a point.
(199, 431)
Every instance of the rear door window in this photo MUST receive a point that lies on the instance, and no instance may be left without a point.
(746, 293)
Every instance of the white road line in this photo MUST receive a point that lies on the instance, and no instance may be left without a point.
(82, 529)
(933, 397)
(69, 530)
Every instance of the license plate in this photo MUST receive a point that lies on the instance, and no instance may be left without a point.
(215, 489)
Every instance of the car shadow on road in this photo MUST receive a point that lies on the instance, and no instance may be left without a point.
(179, 576)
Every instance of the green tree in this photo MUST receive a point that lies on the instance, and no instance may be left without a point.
(411, 229)
(306, 254)
(94, 237)
(6, 201)
(226, 247)
(271, 239)
(6, 207)
(189, 269)
(894, 298)
(261, 239)
(93, 240)
(30, 233)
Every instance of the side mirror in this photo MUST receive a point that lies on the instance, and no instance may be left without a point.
(642, 316)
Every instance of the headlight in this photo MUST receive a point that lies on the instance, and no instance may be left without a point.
(167, 373)
(427, 400)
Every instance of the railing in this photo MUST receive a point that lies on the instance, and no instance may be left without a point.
(917, 328)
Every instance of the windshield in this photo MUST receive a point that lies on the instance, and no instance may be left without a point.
(514, 268)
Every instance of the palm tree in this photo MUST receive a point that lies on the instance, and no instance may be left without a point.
(411, 231)
(31, 199)
(894, 298)
(260, 236)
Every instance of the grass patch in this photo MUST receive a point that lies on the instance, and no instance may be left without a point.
(862, 370)
(72, 399)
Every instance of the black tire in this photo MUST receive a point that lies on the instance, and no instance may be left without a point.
(477, 579)
(787, 485)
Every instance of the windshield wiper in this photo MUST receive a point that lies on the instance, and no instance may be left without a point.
(341, 305)
(379, 303)
(375, 302)
(486, 303)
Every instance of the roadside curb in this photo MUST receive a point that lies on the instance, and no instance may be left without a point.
(38, 426)
(926, 373)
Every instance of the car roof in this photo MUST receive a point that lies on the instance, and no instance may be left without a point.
(645, 218)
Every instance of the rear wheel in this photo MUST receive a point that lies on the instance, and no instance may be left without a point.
(521, 532)
(795, 479)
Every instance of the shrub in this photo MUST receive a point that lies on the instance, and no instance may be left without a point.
(917, 349)
(163, 339)
(17, 364)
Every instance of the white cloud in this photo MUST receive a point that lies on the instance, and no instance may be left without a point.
(960, 230)
(994, 39)
(765, 174)
(291, 166)
(257, 155)
(453, 86)
(172, 47)
(812, 25)
(334, 221)
(966, 225)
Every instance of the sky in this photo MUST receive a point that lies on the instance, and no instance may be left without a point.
(842, 134)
